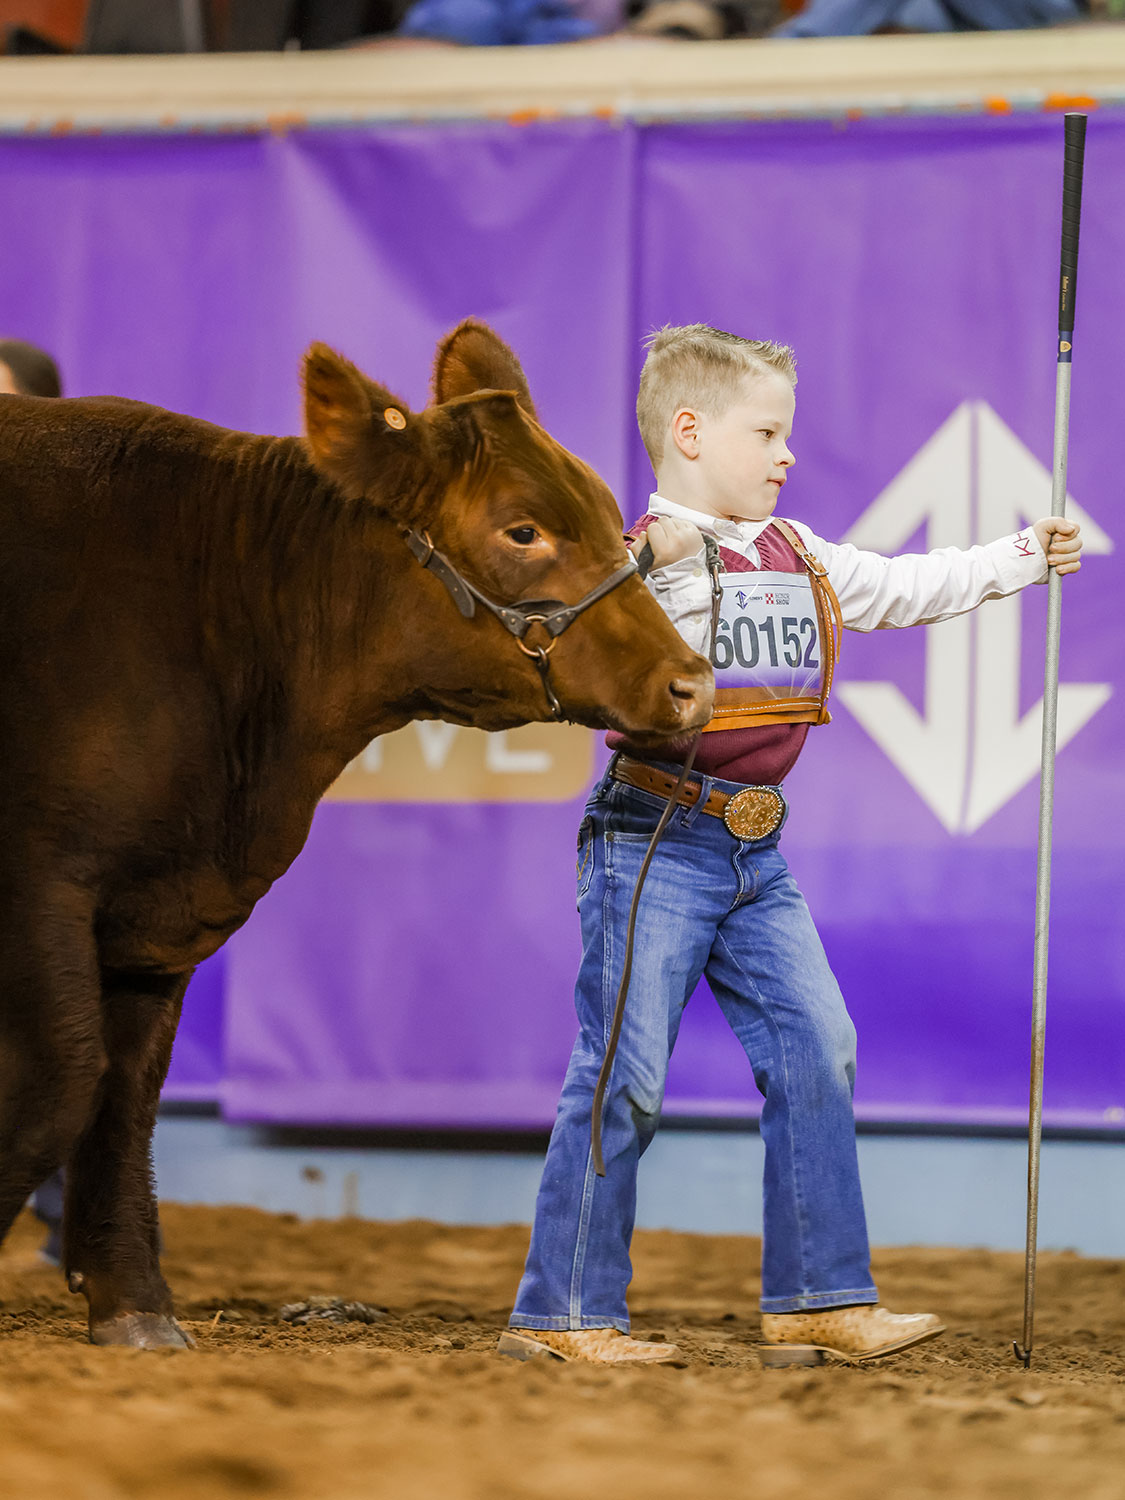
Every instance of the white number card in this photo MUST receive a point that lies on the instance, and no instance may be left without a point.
(769, 635)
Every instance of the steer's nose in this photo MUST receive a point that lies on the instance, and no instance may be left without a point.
(692, 699)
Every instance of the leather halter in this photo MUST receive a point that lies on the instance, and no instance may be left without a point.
(552, 614)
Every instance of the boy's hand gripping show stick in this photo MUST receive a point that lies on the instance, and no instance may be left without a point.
(1074, 156)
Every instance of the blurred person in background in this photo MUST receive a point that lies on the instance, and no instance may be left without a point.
(268, 25)
(508, 23)
(863, 17)
(254, 24)
(28, 371)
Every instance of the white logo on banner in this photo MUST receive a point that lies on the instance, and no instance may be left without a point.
(970, 751)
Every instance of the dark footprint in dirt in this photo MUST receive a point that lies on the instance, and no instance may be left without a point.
(331, 1310)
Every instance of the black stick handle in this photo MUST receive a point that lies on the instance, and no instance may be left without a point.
(1073, 161)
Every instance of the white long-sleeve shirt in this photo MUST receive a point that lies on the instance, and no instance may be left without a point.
(875, 592)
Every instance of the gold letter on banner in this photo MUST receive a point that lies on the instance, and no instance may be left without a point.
(430, 761)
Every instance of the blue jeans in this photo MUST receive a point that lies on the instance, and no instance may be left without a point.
(47, 1203)
(712, 905)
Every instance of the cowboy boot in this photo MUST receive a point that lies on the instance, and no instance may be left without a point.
(852, 1334)
(595, 1346)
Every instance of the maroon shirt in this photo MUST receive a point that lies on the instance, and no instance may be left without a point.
(759, 756)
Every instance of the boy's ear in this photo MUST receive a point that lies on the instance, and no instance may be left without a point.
(359, 434)
(473, 358)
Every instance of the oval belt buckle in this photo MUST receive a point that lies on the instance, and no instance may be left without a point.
(755, 812)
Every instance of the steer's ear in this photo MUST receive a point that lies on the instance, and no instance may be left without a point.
(359, 434)
(473, 358)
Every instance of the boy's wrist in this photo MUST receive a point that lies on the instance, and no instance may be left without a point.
(1019, 559)
(682, 569)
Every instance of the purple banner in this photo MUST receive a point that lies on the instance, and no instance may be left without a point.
(913, 264)
(415, 966)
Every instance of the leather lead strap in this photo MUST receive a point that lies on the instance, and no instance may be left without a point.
(827, 608)
(543, 667)
(627, 966)
(714, 567)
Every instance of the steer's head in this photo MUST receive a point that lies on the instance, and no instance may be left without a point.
(522, 519)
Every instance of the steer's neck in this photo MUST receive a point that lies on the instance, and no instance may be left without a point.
(334, 602)
(361, 672)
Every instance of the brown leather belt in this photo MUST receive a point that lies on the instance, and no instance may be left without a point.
(754, 812)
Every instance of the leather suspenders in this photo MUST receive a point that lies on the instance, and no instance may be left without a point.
(827, 609)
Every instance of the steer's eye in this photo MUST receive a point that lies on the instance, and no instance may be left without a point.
(523, 536)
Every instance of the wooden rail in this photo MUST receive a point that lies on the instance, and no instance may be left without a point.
(1071, 67)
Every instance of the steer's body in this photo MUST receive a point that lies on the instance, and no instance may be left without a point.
(155, 720)
(198, 630)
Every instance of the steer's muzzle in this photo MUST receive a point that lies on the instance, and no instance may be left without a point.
(678, 702)
(690, 697)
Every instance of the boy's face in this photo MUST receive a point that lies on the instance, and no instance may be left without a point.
(743, 455)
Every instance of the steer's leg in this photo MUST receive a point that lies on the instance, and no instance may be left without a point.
(111, 1239)
(52, 1055)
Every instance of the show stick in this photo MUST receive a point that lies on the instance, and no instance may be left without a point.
(1073, 160)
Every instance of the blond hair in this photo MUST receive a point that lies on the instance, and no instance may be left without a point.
(701, 367)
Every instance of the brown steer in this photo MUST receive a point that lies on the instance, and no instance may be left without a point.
(198, 630)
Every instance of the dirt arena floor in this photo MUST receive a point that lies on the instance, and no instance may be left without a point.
(418, 1407)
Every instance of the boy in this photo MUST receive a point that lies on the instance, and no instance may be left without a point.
(716, 413)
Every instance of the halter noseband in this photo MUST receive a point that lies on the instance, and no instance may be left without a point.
(552, 614)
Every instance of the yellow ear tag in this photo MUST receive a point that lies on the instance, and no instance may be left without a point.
(394, 418)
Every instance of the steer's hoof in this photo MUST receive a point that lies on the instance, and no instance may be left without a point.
(142, 1330)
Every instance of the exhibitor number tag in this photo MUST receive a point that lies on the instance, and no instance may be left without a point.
(769, 635)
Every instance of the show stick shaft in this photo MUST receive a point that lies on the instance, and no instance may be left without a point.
(1074, 159)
